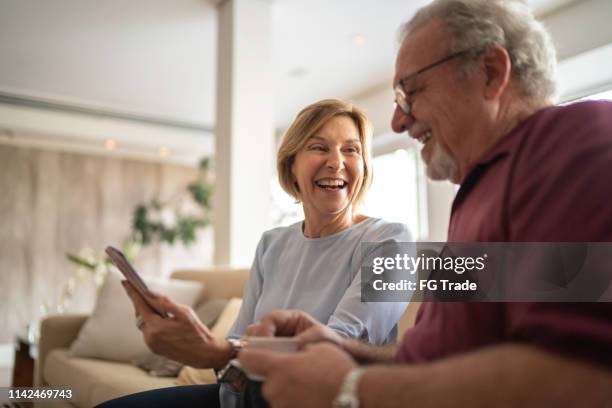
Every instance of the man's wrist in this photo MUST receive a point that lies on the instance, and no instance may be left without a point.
(348, 394)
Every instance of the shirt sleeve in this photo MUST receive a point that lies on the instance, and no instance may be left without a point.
(251, 294)
(374, 322)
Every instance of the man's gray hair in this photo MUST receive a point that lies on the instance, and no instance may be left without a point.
(478, 24)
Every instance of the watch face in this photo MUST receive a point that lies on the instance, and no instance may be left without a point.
(236, 345)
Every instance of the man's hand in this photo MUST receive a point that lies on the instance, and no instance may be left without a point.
(182, 337)
(286, 323)
(290, 323)
(309, 378)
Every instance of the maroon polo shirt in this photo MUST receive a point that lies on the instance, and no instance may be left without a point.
(548, 180)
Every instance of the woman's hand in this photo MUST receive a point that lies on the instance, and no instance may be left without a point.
(289, 323)
(181, 337)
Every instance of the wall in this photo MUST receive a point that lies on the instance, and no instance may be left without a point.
(53, 202)
(579, 27)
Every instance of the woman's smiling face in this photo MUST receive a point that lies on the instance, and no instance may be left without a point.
(329, 169)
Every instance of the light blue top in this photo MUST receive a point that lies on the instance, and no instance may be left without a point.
(320, 276)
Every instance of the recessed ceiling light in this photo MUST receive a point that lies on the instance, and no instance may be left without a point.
(359, 40)
(110, 144)
(163, 151)
(298, 72)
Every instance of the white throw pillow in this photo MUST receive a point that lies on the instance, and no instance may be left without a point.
(110, 332)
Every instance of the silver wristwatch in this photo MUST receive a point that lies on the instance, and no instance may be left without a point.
(348, 396)
(237, 346)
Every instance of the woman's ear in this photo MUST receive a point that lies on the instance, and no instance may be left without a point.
(497, 70)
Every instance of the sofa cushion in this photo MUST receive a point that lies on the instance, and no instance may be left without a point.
(94, 381)
(110, 332)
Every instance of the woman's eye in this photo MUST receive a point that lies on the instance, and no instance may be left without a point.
(351, 150)
(317, 147)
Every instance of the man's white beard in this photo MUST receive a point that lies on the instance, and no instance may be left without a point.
(441, 164)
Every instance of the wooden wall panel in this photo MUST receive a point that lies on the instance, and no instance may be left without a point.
(53, 202)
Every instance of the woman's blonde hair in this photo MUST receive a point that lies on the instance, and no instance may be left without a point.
(308, 122)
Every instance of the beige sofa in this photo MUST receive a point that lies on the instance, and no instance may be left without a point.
(95, 381)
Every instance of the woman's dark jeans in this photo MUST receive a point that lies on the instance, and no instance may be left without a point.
(187, 396)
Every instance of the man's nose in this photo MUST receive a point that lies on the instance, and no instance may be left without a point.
(401, 122)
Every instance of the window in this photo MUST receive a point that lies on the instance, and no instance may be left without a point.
(285, 211)
(398, 191)
(606, 95)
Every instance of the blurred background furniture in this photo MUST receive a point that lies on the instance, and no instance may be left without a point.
(95, 381)
(26, 352)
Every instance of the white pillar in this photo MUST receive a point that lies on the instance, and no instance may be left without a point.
(244, 130)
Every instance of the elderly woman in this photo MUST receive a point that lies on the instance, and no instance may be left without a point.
(313, 265)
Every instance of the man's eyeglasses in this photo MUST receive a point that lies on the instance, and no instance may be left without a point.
(400, 94)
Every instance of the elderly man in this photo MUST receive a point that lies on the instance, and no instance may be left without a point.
(474, 84)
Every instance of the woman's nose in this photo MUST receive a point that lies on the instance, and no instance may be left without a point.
(334, 160)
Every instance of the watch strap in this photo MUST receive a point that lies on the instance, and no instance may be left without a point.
(348, 396)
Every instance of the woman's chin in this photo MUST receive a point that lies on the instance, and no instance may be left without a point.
(328, 203)
(334, 209)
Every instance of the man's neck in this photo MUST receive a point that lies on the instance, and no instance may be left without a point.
(512, 112)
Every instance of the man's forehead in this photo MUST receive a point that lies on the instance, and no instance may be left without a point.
(421, 46)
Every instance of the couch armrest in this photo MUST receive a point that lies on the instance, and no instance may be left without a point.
(56, 331)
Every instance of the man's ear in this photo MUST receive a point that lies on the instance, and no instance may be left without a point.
(497, 69)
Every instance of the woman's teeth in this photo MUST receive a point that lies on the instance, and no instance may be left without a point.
(331, 184)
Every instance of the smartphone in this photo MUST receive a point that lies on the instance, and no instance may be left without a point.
(121, 262)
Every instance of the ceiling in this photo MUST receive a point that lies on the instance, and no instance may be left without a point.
(157, 58)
